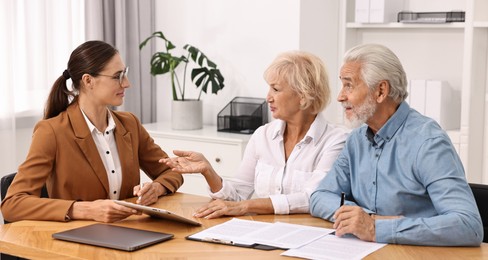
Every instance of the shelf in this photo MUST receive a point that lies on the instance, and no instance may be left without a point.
(405, 25)
(455, 52)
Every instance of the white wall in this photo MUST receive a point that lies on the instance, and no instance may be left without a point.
(243, 37)
(319, 32)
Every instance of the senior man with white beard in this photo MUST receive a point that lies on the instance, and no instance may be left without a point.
(403, 180)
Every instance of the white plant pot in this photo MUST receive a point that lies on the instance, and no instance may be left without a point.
(186, 115)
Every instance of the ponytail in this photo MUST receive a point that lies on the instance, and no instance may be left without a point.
(59, 97)
(88, 58)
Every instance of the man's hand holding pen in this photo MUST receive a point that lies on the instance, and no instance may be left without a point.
(353, 220)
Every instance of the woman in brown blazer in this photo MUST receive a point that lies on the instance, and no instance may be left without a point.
(86, 154)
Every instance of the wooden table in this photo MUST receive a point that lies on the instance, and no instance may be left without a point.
(32, 239)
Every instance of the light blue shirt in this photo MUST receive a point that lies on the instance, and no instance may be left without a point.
(409, 168)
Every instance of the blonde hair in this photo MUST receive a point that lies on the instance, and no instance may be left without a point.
(306, 74)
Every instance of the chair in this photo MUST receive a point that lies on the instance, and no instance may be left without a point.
(480, 192)
(5, 182)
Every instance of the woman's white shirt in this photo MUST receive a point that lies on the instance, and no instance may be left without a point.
(288, 184)
(107, 149)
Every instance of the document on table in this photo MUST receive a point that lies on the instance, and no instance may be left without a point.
(285, 235)
(248, 233)
(334, 247)
(233, 232)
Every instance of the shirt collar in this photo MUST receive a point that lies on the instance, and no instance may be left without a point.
(317, 128)
(391, 126)
(111, 122)
(279, 129)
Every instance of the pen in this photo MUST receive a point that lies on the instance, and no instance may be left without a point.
(343, 197)
(217, 240)
(142, 186)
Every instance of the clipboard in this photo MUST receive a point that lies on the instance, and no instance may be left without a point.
(232, 243)
(259, 235)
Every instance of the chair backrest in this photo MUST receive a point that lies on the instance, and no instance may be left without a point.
(5, 183)
(480, 192)
(6, 180)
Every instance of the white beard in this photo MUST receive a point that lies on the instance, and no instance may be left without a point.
(361, 113)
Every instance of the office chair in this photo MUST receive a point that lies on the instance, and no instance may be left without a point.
(5, 182)
(480, 192)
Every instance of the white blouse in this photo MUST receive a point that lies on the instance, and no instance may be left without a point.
(288, 184)
(107, 148)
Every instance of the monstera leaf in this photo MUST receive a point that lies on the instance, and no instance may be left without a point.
(204, 73)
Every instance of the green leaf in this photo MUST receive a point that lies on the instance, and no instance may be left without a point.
(203, 77)
(204, 74)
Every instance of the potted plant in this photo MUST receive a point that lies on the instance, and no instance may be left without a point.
(186, 113)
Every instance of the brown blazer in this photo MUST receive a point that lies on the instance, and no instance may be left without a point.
(64, 156)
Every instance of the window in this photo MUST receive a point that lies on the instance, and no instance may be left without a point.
(37, 39)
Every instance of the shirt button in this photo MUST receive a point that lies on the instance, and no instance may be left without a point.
(107, 152)
(377, 155)
(113, 171)
(374, 183)
(107, 132)
(115, 192)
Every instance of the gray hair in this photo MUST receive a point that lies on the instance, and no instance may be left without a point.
(380, 63)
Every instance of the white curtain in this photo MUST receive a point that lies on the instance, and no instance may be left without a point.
(125, 24)
(37, 39)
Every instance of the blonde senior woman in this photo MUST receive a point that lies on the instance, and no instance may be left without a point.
(284, 160)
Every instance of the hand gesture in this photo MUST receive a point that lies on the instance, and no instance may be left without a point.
(187, 162)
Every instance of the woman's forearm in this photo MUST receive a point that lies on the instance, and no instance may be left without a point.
(259, 206)
(213, 179)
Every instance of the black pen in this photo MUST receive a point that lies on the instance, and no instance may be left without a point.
(343, 197)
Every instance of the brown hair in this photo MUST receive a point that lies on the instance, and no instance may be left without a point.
(88, 58)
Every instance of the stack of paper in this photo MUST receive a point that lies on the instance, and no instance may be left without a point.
(247, 233)
(302, 241)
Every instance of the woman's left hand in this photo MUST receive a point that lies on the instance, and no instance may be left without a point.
(219, 208)
(150, 192)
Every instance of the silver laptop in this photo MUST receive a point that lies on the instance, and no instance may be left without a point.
(116, 237)
(158, 213)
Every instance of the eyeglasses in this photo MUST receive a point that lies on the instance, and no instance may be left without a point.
(120, 77)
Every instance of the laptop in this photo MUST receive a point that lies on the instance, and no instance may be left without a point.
(158, 213)
(110, 236)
